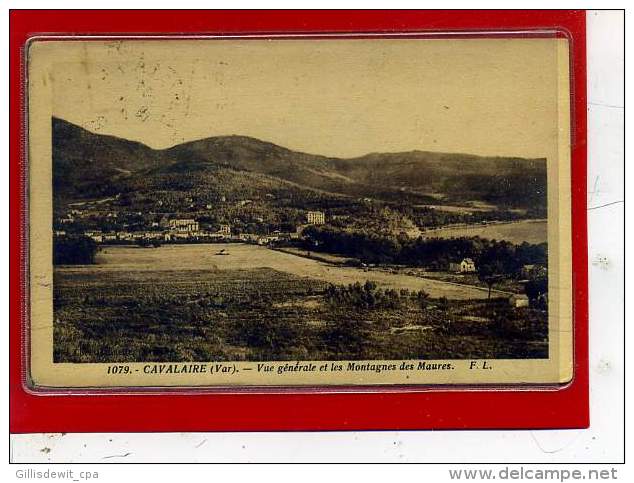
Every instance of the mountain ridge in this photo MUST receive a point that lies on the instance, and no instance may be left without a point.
(87, 163)
(56, 119)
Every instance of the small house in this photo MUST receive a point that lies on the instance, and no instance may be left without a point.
(518, 300)
(467, 265)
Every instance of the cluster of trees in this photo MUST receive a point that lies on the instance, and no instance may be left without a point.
(368, 296)
(537, 291)
(74, 250)
(500, 257)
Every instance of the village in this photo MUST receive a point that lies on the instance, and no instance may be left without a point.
(177, 230)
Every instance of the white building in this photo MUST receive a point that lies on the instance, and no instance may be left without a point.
(184, 225)
(519, 300)
(467, 265)
(316, 217)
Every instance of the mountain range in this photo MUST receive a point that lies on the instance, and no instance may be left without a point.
(88, 165)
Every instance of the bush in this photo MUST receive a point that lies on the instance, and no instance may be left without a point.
(75, 250)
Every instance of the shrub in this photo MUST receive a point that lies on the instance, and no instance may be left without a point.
(74, 250)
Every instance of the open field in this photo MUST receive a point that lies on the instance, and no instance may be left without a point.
(531, 231)
(506, 286)
(183, 303)
(245, 257)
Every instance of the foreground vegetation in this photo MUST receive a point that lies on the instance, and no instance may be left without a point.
(262, 314)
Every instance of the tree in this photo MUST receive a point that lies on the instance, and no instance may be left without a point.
(490, 273)
(536, 289)
(423, 299)
(74, 250)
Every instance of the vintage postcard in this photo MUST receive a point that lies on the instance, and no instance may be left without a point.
(299, 212)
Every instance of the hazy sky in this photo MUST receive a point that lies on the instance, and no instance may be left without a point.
(340, 98)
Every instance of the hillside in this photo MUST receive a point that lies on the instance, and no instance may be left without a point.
(87, 165)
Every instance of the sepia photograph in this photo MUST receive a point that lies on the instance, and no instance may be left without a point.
(267, 205)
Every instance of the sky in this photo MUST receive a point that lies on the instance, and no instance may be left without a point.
(345, 98)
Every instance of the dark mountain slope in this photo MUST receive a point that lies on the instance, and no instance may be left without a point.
(88, 164)
(85, 163)
(249, 154)
(456, 177)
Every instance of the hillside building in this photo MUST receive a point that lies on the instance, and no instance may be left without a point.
(184, 225)
(315, 217)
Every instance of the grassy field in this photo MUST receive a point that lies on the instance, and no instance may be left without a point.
(245, 257)
(531, 231)
(126, 312)
(505, 286)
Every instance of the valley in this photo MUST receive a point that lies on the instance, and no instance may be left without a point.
(233, 248)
